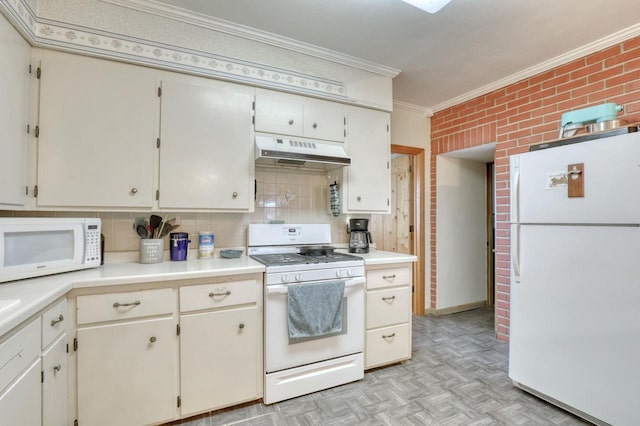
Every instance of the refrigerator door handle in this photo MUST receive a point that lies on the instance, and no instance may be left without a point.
(515, 218)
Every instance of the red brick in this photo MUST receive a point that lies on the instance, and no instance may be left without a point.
(517, 102)
(573, 84)
(608, 73)
(525, 124)
(519, 117)
(583, 72)
(517, 86)
(589, 88)
(632, 65)
(603, 54)
(541, 94)
(632, 77)
(607, 94)
(631, 44)
(529, 90)
(571, 66)
(629, 55)
(555, 82)
(554, 100)
(545, 76)
(573, 103)
(530, 106)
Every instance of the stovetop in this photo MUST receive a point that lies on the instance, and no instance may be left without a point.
(285, 259)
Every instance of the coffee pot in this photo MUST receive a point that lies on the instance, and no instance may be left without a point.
(360, 237)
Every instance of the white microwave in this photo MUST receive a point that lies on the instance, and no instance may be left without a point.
(31, 247)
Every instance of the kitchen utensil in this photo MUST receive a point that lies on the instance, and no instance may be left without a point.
(142, 231)
(231, 254)
(140, 220)
(167, 229)
(154, 222)
(605, 125)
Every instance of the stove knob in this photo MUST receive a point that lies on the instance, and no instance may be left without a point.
(339, 274)
(350, 272)
(285, 278)
(298, 277)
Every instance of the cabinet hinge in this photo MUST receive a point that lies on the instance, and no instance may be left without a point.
(177, 329)
(410, 228)
(388, 166)
(345, 133)
(38, 73)
(179, 401)
(29, 68)
(387, 128)
(41, 376)
(28, 129)
(159, 91)
(67, 348)
(35, 191)
(75, 422)
(75, 344)
(413, 288)
(36, 132)
(26, 190)
(157, 194)
(388, 202)
(345, 121)
(158, 143)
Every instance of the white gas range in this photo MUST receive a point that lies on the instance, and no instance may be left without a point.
(296, 254)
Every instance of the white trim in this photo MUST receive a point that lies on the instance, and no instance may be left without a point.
(580, 52)
(419, 109)
(153, 7)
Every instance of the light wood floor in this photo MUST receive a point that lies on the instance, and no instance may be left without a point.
(457, 376)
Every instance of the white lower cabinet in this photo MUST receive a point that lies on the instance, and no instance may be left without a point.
(54, 384)
(388, 316)
(20, 403)
(126, 373)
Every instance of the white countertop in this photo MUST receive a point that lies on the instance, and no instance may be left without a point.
(37, 293)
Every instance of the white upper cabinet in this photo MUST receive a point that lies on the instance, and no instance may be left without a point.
(366, 182)
(286, 114)
(14, 115)
(207, 142)
(97, 140)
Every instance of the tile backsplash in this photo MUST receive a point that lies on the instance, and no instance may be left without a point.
(294, 196)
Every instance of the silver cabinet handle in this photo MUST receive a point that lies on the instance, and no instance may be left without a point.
(134, 190)
(117, 305)
(57, 320)
(235, 195)
(241, 326)
(388, 336)
(152, 339)
(388, 277)
(315, 125)
(386, 299)
(290, 122)
(224, 293)
(57, 368)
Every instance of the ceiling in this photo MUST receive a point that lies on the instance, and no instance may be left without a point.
(466, 46)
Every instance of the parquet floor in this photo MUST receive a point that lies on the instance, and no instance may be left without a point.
(457, 376)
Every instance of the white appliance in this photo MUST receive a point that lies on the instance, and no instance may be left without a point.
(294, 368)
(311, 153)
(31, 247)
(575, 286)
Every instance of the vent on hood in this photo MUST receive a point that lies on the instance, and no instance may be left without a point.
(277, 150)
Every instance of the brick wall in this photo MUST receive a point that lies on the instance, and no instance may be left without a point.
(525, 113)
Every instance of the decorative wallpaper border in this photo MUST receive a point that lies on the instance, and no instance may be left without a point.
(48, 33)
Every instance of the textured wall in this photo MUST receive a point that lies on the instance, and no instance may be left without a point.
(526, 113)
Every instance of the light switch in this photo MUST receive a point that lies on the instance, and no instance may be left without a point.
(575, 187)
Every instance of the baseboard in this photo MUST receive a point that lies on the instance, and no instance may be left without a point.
(456, 309)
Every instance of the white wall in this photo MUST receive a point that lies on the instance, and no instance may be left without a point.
(460, 225)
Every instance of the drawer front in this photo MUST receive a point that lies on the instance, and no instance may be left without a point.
(378, 278)
(54, 322)
(387, 345)
(18, 351)
(118, 306)
(209, 296)
(388, 306)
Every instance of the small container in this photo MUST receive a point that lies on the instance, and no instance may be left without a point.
(205, 245)
(178, 245)
(151, 250)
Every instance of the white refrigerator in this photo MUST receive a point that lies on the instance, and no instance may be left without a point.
(575, 277)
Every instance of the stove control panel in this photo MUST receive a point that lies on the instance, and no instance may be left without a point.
(313, 275)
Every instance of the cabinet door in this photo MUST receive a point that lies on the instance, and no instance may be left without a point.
(20, 402)
(219, 358)
(368, 178)
(279, 113)
(324, 120)
(126, 373)
(206, 154)
(54, 385)
(14, 115)
(98, 123)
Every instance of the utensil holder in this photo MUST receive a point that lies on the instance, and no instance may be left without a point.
(151, 250)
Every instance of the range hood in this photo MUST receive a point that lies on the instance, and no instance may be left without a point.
(298, 152)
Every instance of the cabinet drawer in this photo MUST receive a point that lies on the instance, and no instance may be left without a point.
(18, 351)
(118, 306)
(389, 277)
(388, 306)
(209, 296)
(54, 322)
(387, 345)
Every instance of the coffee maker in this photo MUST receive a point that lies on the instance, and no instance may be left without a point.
(360, 237)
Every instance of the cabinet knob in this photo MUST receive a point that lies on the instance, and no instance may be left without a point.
(359, 198)
(57, 320)
(152, 339)
(235, 195)
(315, 125)
(241, 326)
(134, 190)
(290, 122)
(57, 368)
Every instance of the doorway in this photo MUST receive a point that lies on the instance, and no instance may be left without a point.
(403, 230)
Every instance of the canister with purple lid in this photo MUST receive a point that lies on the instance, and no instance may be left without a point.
(205, 245)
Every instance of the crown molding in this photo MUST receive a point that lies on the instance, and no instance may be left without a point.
(418, 109)
(578, 53)
(156, 8)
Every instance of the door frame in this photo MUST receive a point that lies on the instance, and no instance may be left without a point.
(418, 301)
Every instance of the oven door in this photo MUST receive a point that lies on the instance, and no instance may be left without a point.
(280, 354)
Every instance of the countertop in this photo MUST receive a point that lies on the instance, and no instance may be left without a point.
(35, 294)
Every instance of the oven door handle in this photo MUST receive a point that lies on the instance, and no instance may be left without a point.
(282, 288)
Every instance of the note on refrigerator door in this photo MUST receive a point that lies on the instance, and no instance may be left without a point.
(557, 180)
